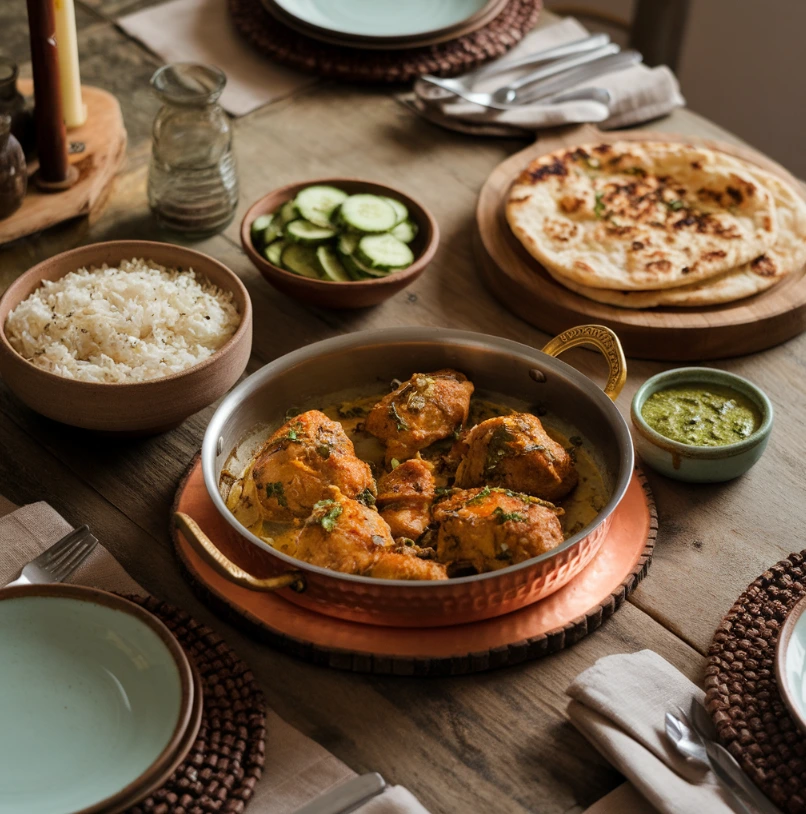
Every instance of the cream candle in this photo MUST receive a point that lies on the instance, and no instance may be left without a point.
(75, 112)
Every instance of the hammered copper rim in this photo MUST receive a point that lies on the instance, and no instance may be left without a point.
(180, 742)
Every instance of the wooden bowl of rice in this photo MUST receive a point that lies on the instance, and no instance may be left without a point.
(139, 345)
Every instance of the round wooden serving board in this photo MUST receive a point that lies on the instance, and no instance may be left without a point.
(674, 334)
(552, 624)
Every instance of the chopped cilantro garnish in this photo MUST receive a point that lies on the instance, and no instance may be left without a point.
(366, 497)
(328, 519)
(275, 490)
(485, 492)
(323, 450)
(675, 205)
(503, 517)
(399, 422)
(599, 207)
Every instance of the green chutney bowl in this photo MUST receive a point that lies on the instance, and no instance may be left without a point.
(699, 464)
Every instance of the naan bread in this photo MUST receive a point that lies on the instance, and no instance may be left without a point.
(787, 255)
(640, 215)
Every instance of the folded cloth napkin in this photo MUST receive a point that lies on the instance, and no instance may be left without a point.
(619, 704)
(297, 769)
(201, 31)
(638, 93)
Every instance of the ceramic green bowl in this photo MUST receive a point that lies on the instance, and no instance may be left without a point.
(95, 696)
(698, 464)
(790, 663)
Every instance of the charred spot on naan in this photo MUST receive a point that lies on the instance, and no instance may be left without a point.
(765, 266)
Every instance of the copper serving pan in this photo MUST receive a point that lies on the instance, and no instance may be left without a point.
(306, 377)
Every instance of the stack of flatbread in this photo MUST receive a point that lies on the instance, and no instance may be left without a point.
(647, 224)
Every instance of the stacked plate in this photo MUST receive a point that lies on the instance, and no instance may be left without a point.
(98, 701)
(385, 24)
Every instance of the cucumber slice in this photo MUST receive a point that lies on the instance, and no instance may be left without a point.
(384, 252)
(258, 227)
(400, 210)
(317, 203)
(358, 271)
(331, 266)
(348, 243)
(405, 231)
(274, 252)
(288, 212)
(307, 233)
(301, 260)
(272, 231)
(368, 213)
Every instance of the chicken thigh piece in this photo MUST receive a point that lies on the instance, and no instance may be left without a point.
(344, 535)
(490, 529)
(515, 451)
(426, 408)
(404, 498)
(299, 463)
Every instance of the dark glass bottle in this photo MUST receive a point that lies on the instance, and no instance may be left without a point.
(13, 175)
(12, 102)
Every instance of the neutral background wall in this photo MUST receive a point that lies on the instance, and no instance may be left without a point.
(743, 65)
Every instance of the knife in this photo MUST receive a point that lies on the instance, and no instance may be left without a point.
(346, 797)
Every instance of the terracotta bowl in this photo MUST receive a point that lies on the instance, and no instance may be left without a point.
(137, 407)
(356, 293)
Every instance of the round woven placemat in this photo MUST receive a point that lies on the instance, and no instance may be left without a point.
(283, 44)
(742, 692)
(226, 760)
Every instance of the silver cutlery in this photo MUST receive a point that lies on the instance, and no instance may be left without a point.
(60, 560)
(506, 95)
(346, 797)
(566, 80)
(704, 727)
(688, 744)
(590, 43)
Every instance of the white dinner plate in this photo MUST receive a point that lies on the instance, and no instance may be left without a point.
(383, 19)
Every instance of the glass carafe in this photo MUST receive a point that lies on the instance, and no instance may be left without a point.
(192, 178)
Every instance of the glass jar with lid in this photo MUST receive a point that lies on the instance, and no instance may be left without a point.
(192, 178)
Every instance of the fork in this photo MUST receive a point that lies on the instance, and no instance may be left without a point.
(60, 560)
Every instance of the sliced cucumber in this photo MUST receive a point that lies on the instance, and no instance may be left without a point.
(273, 231)
(307, 233)
(317, 203)
(400, 210)
(331, 267)
(368, 213)
(301, 260)
(258, 227)
(384, 252)
(288, 212)
(405, 231)
(358, 271)
(348, 243)
(274, 252)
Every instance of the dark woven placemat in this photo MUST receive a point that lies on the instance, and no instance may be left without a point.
(276, 40)
(742, 692)
(226, 760)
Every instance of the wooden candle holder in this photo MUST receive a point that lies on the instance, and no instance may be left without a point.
(103, 137)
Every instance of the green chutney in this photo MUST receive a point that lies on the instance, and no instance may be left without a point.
(702, 416)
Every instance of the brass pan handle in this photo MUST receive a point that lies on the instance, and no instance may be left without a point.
(604, 340)
(208, 551)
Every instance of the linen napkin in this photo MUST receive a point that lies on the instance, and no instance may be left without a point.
(619, 705)
(638, 93)
(297, 769)
(201, 31)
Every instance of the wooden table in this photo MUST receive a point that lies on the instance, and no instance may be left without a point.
(492, 742)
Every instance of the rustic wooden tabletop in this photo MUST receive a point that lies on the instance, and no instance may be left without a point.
(491, 742)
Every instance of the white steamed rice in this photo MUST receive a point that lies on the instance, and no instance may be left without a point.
(132, 323)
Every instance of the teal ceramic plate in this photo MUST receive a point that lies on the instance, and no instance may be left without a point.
(383, 18)
(95, 699)
(790, 663)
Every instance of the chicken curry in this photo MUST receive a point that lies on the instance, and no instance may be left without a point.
(426, 482)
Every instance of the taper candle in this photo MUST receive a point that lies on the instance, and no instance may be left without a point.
(75, 113)
(51, 138)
